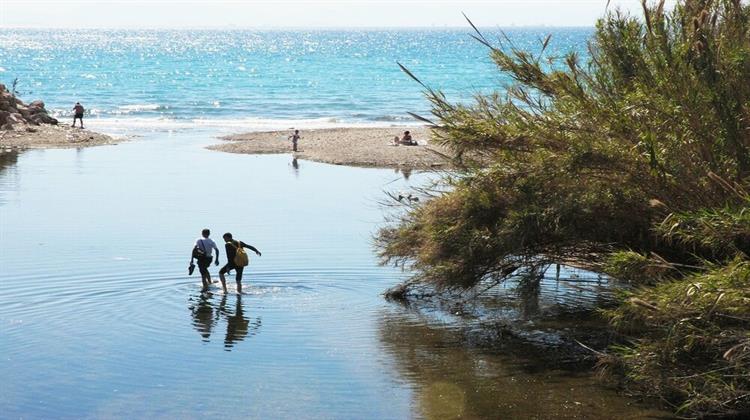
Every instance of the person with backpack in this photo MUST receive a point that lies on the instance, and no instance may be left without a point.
(237, 259)
(202, 253)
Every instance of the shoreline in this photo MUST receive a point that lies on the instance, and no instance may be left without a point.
(29, 126)
(370, 147)
(53, 137)
(356, 146)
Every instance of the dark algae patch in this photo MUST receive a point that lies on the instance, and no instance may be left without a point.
(633, 162)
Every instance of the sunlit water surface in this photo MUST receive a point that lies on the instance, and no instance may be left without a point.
(258, 79)
(99, 318)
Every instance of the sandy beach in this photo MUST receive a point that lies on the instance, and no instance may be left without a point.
(368, 147)
(52, 137)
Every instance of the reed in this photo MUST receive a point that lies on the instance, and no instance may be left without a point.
(634, 163)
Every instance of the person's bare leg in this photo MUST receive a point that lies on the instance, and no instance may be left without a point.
(239, 280)
(223, 281)
(203, 280)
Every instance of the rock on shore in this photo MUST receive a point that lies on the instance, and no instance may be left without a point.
(14, 111)
(25, 126)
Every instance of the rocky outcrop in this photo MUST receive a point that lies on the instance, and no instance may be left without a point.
(14, 111)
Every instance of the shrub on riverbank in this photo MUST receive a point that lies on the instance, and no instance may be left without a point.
(634, 163)
(691, 331)
(690, 340)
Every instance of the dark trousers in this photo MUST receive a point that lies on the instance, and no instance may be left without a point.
(229, 267)
(203, 264)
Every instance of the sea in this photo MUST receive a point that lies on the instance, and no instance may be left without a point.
(245, 79)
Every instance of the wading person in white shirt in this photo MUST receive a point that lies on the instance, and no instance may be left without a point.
(202, 252)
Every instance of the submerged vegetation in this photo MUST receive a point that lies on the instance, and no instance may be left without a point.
(634, 162)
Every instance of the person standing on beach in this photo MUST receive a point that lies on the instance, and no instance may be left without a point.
(78, 114)
(202, 252)
(231, 247)
(295, 138)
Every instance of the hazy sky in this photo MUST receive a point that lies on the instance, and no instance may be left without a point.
(300, 13)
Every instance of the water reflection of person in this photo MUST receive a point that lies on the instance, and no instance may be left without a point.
(406, 172)
(203, 315)
(238, 326)
(295, 165)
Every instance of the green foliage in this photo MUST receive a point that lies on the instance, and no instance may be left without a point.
(567, 163)
(693, 344)
(637, 268)
(711, 231)
(635, 163)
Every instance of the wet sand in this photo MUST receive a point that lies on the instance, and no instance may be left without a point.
(52, 137)
(369, 147)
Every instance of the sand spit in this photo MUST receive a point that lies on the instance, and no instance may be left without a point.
(52, 137)
(368, 147)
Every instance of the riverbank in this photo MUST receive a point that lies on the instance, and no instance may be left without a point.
(52, 137)
(368, 147)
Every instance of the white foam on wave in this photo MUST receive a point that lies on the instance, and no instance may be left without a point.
(139, 107)
(234, 124)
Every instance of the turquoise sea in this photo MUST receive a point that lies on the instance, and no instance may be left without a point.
(254, 79)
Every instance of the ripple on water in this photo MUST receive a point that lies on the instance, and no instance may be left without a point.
(102, 321)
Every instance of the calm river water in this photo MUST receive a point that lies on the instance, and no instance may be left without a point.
(99, 318)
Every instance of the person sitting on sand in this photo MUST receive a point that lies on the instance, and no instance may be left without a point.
(295, 138)
(78, 109)
(396, 141)
(231, 247)
(406, 140)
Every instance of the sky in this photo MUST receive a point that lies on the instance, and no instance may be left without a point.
(301, 13)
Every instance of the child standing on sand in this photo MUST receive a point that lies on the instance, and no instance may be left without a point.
(295, 138)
